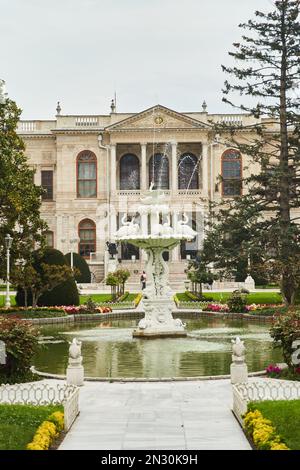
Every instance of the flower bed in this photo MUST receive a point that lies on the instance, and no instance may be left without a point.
(30, 312)
(255, 309)
(73, 310)
(19, 423)
(47, 432)
(262, 432)
(222, 308)
(276, 372)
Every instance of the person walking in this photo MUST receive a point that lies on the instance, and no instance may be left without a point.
(143, 280)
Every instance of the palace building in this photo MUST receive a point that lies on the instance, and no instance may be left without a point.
(94, 169)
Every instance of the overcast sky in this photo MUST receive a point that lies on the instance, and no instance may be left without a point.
(149, 51)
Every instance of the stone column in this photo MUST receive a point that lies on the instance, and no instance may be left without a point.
(60, 235)
(144, 166)
(112, 223)
(38, 175)
(174, 180)
(205, 169)
(113, 167)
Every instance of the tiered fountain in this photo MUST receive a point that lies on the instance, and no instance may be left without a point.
(157, 237)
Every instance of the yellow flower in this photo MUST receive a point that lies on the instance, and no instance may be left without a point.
(58, 419)
(47, 432)
(278, 446)
(34, 446)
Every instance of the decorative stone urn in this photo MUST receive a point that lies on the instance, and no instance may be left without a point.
(159, 236)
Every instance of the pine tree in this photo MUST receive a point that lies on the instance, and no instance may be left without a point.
(19, 198)
(264, 222)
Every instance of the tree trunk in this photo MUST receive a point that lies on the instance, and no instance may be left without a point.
(284, 198)
(26, 297)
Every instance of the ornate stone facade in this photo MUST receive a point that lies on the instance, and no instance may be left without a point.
(80, 158)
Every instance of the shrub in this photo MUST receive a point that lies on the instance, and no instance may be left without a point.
(90, 305)
(237, 302)
(64, 294)
(284, 332)
(80, 263)
(21, 341)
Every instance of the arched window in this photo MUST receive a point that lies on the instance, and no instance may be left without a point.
(231, 173)
(49, 238)
(87, 236)
(159, 171)
(86, 174)
(129, 172)
(188, 172)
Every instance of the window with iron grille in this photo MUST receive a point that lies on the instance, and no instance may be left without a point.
(231, 173)
(87, 235)
(47, 184)
(86, 174)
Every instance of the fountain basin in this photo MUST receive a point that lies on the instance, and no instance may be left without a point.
(110, 351)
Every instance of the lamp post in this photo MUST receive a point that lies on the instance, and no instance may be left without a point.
(8, 243)
(73, 241)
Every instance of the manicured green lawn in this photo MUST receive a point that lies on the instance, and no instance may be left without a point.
(2, 300)
(18, 424)
(103, 298)
(99, 298)
(253, 298)
(285, 416)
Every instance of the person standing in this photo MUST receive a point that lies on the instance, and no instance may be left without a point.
(143, 280)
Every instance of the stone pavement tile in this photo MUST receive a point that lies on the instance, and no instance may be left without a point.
(150, 415)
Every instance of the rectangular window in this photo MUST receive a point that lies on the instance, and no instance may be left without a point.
(47, 185)
(49, 239)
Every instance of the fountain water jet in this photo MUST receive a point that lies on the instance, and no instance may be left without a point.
(157, 297)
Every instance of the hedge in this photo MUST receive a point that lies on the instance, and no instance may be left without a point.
(80, 263)
(64, 294)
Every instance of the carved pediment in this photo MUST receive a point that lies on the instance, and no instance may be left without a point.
(157, 117)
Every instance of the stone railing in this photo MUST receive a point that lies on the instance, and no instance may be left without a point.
(188, 192)
(265, 389)
(27, 126)
(230, 119)
(32, 127)
(38, 393)
(86, 121)
(131, 193)
(136, 193)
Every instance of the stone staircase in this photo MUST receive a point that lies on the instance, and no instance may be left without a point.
(97, 270)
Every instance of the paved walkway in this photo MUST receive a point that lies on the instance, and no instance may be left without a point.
(154, 415)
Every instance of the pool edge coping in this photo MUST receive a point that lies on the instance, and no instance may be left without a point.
(138, 314)
(145, 379)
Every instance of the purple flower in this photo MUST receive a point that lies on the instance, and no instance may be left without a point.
(273, 369)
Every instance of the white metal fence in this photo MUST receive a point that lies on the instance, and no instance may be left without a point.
(38, 393)
(266, 389)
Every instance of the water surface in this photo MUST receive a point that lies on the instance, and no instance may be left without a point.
(110, 351)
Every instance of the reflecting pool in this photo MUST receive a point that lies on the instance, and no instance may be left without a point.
(110, 351)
